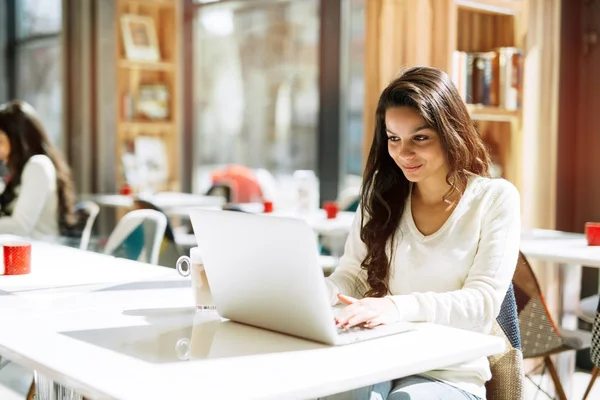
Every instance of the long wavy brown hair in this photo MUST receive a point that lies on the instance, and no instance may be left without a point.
(27, 137)
(385, 188)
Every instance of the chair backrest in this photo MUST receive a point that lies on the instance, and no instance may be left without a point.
(221, 189)
(539, 334)
(86, 211)
(508, 372)
(142, 232)
(348, 199)
(244, 185)
(595, 347)
(169, 251)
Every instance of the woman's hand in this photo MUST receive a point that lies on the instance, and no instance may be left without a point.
(370, 311)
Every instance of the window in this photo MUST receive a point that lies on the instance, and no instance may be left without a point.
(38, 17)
(37, 64)
(256, 84)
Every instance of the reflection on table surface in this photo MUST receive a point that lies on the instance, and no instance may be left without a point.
(186, 335)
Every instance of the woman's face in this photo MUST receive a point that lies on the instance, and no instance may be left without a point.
(4, 147)
(414, 146)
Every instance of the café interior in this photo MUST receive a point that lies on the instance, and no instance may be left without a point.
(163, 107)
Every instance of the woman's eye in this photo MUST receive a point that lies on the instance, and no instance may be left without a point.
(393, 138)
(420, 138)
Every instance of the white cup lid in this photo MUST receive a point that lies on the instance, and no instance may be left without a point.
(195, 255)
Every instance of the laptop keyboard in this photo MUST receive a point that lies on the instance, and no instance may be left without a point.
(360, 333)
(354, 329)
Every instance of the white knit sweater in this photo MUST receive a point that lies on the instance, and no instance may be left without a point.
(35, 210)
(457, 276)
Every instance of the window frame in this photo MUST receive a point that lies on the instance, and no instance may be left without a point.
(13, 43)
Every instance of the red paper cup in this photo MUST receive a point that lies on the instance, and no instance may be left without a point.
(331, 208)
(268, 206)
(126, 190)
(17, 258)
(592, 233)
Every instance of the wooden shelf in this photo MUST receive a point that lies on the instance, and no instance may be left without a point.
(483, 113)
(506, 7)
(146, 127)
(147, 65)
(161, 3)
(131, 75)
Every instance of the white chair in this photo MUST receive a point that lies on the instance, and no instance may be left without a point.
(348, 196)
(154, 224)
(587, 308)
(88, 210)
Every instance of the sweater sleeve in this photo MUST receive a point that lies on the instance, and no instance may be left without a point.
(477, 304)
(37, 182)
(349, 278)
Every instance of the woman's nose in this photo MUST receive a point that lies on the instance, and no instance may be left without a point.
(406, 150)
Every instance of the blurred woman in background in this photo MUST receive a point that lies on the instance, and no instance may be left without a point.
(38, 199)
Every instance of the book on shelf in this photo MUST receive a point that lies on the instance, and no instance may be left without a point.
(492, 78)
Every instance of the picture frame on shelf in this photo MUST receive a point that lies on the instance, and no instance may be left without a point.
(151, 163)
(153, 102)
(139, 38)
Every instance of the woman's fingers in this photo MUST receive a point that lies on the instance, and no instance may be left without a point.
(359, 318)
(372, 323)
(355, 314)
(346, 299)
(347, 313)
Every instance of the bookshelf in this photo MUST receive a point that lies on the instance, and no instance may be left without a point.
(444, 28)
(483, 27)
(147, 60)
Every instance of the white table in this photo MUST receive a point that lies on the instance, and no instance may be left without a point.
(132, 340)
(59, 275)
(340, 225)
(55, 266)
(570, 251)
(163, 200)
(125, 346)
(560, 247)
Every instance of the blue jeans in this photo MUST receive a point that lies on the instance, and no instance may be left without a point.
(416, 387)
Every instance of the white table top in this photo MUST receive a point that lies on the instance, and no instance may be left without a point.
(338, 226)
(55, 266)
(122, 344)
(559, 247)
(164, 200)
(131, 340)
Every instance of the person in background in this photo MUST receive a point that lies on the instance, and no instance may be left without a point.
(435, 239)
(38, 199)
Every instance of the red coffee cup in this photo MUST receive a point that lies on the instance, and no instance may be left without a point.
(268, 206)
(126, 190)
(17, 258)
(331, 208)
(592, 233)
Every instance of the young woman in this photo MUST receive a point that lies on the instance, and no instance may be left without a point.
(38, 198)
(435, 239)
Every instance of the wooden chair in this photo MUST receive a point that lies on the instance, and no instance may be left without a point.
(507, 368)
(594, 351)
(540, 336)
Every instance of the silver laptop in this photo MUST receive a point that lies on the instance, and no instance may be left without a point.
(263, 270)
